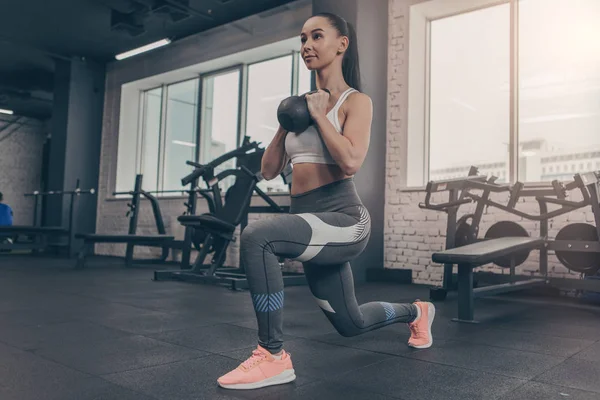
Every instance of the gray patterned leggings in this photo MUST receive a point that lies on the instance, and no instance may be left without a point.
(326, 228)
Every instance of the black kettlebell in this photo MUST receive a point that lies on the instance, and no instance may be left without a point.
(293, 114)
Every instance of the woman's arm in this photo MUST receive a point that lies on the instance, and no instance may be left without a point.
(350, 148)
(275, 158)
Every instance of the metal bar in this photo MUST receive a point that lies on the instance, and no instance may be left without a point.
(478, 215)
(295, 73)
(60, 192)
(269, 200)
(450, 239)
(199, 115)
(594, 190)
(549, 215)
(133, 220)
(186, 249)
(454, 183)
(35, 211)
(562, 202)
(514, 93)
(544, 234)
(495, 188)
(590, 177)
(70, 225)
(466, 304)
(243, 104)
(512, 269)
(507, 287)
(574, 245)
(515, 194)
(162, 137)
(427, 105)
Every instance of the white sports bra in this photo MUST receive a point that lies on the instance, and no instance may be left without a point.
(308, 146)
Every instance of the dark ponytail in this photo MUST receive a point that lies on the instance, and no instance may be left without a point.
(350, 62)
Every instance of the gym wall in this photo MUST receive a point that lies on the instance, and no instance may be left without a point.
(206, 46)
(412, 234)
(21, 151)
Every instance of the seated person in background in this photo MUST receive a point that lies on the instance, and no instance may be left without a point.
(6, 213)
(6, 218)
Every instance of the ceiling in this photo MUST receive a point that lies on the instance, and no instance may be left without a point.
(35, 32)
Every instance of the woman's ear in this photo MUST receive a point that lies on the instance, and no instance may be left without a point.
(343, 44)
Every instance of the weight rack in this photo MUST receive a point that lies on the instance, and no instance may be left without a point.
(577, 246)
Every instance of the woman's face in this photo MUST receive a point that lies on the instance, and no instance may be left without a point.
(321, 43)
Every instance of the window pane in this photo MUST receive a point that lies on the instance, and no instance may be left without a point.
(220, 115)
(469, 93)
(269, 82)
(151, 138)
(303, 77)
(180, 141)
(559, 88)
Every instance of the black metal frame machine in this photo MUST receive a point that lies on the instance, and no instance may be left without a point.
(213, 232)
(576, 245)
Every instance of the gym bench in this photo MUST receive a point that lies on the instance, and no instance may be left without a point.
(139, 240)
(480, 253)
(40, 233)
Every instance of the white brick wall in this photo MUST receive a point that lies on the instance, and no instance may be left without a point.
(412, 234)
(21, 152)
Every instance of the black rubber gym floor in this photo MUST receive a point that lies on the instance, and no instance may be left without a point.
(112, 333)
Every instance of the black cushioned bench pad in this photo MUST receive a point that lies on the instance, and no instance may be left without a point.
(486, 251)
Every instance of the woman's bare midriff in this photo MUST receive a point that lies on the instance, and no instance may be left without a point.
(308, 176)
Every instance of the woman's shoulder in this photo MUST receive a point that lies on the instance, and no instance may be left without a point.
(357, 99)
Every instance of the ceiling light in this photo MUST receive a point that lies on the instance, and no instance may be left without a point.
(143, 49)
(9, 112)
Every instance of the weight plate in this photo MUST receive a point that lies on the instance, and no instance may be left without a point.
(508, 229)
(579, 261)
(465, 233)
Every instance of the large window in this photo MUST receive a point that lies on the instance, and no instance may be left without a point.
(469, 97)
(512, 88)
(269, 82)
(559, 88)
(220, 118)
(202, 118)
(180, 132)
(168, 134)
(151, 138)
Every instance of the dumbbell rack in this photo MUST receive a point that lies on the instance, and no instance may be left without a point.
(578, 251)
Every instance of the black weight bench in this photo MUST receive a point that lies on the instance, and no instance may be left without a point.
(481, 253)
(40, 233)
(138, 240)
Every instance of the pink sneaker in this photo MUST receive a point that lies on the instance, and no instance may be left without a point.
(260, 370)
(420, 328)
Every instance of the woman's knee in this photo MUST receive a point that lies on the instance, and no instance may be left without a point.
(345, 328)
(255, 234)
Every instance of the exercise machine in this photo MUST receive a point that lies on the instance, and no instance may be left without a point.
(132, 238)
(507, 244)
(217, 229)
(39, 235)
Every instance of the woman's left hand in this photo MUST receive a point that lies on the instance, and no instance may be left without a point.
(317, 103)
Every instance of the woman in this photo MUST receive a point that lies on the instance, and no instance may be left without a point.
(327, 226)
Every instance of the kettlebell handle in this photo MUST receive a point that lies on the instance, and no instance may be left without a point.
(315, 91)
